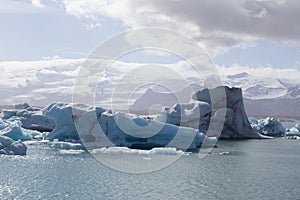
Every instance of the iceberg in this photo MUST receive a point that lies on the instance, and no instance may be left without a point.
(38, 123)
(15, 132)
(185, 114)
(97, 127)
(236, 125)
(12, 129)
(62, 114)
(11, 147)
(268, 126)
(9, 113)
(30, 118)
(228, 112)
(294, 129)
(22, 106)
(293, 133)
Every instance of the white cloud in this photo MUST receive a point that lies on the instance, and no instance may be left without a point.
(217, 25)
(16, 7)
(41, 82)
(37, 3)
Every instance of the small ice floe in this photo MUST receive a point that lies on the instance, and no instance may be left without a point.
(71, 152)
(293, 133)
(65, 145)
(36, 142)
(125, 150)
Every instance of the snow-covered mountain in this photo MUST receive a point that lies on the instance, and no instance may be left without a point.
(263, 88)
(268, 96)
(267, 91)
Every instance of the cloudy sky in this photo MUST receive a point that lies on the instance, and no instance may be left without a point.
(253, 33)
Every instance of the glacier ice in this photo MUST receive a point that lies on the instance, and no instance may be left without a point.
(227, 112)
(65, 145)
(268, 126)
(15, 132)
(22, 106)
(62, 114)
(236, 125)
(126, 150)
(38, 122)
(11, 147)
(9, 113)
(104, 128)
(30, 117)
(294, 132)
(294, 129)
(187, 114)
(12, 129)
(71, 152)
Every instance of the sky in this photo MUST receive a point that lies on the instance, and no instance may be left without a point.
(255, 33)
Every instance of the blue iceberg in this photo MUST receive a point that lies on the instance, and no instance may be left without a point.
(11, 147)
(14, 131)
(97, 127)
(268, 126)
(293, 133)
(31, 118)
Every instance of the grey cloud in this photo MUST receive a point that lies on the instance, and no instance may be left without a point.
(215, 23)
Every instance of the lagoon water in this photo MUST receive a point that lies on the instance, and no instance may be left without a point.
(252, 169)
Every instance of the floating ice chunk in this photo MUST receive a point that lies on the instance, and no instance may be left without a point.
(293, 133)
(34, 134)
(71, 152)
(36, 142)
(15, 132)
(101, 128)
(9, 113)
(126, 150)
(30, 117)
(268, 126)
(185, 114)
(3, 124)
(38, 122)
(227, 107)
(166, 151)
(10, 147)
(294, 129)
(253, 120)
(65, 145)
(62, 114)
(22, 106)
